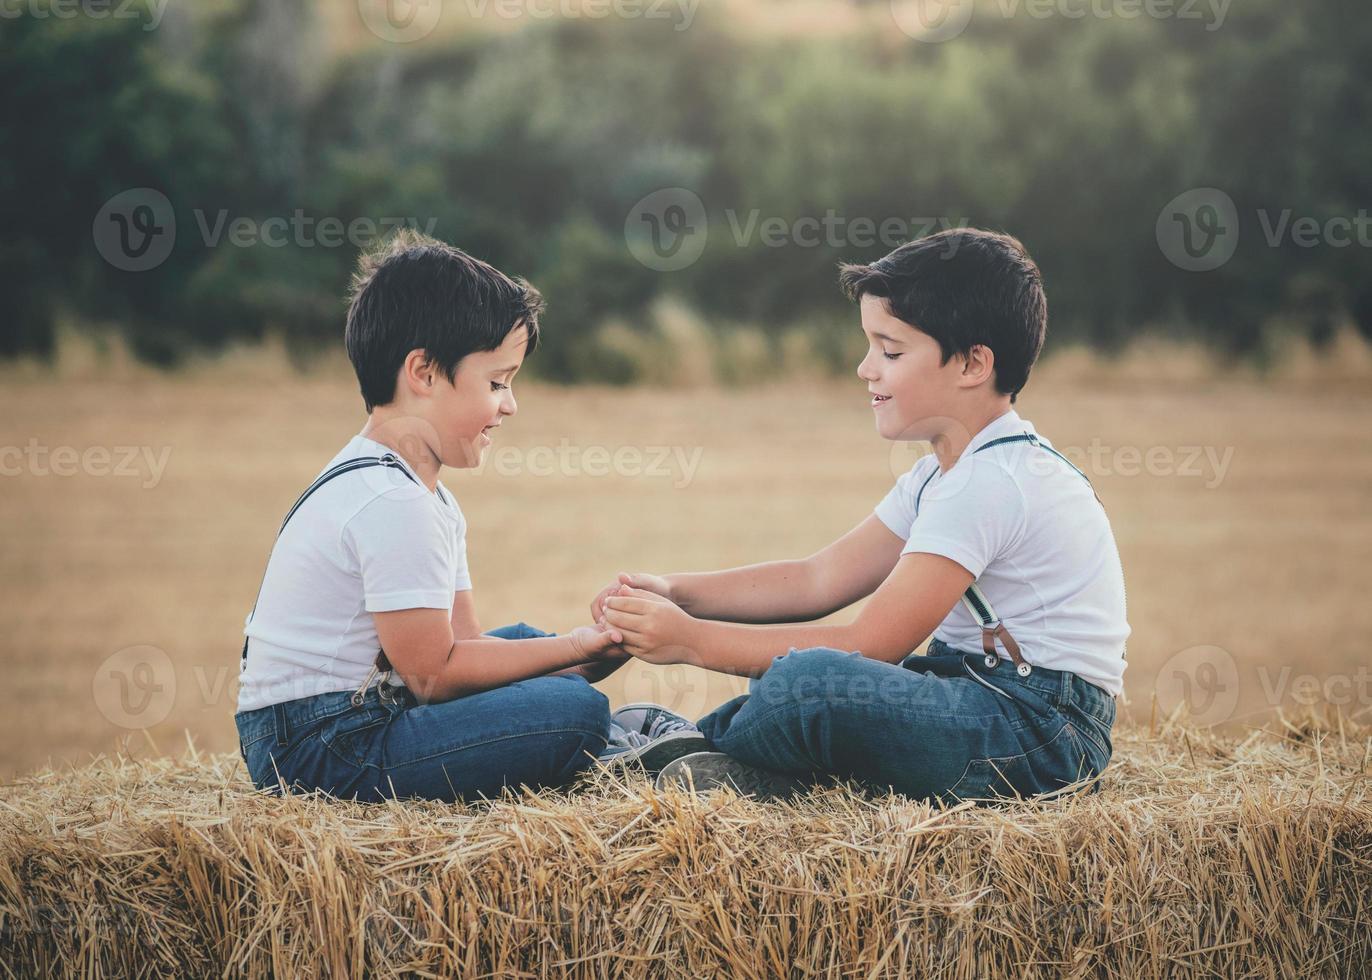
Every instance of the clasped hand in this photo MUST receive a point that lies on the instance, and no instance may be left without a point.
(649, 625)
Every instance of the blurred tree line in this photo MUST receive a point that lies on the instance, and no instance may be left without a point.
(529, 147)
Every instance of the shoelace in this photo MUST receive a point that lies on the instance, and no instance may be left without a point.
(666, 724)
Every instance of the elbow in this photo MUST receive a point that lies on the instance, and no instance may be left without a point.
(426, 677)
(422, 684)
(878, 646)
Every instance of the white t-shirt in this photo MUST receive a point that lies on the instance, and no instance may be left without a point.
(370, 540)
(1028, 526)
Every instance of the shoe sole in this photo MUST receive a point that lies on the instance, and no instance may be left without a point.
(714, 770)
(661, 752)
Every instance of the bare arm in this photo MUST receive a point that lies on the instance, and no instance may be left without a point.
(466, 627)
(436, 667)
(781, 591)
(901, 615)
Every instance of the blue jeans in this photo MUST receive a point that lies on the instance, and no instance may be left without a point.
(942, 726)
(536, 732)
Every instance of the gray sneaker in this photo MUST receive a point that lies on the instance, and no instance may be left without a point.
(650, 736)
(652, 720)
(704, 771)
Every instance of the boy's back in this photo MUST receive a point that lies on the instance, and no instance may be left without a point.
(1028, 526)
(312, 631)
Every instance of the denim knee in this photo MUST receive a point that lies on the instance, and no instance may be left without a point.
(591, 707)
(586, 711)
(803, 675)
(517, 631)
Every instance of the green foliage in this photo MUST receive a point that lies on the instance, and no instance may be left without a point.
(530, 147)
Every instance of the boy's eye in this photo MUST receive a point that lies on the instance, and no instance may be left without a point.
(889, 356)
(497, 386)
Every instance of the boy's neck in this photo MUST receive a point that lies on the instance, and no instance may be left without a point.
(404, 435)
(958, 435)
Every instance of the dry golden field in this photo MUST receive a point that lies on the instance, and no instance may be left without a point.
(1240, 506)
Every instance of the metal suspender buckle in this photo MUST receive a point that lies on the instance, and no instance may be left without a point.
(989, 632)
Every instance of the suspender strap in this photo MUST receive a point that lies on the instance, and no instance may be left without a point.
(991, 628)
(347, 466)
(974, 599)
(1033, 440)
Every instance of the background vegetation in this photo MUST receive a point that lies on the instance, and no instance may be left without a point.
(528, 143)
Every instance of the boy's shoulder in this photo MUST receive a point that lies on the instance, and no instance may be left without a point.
(369, 486)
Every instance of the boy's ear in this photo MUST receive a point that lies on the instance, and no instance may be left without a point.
(978, 366)
(417, 372)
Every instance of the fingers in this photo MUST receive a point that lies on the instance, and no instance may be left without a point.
(611, 635)
(626, 590)
(624, 624)
(598, 603)
(628, 604)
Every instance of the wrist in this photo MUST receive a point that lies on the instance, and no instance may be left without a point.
(676, 591)
(576, 653)
(697, 636)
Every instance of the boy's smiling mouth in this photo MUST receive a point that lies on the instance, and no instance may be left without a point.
(879, 399)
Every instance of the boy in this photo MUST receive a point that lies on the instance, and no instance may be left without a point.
(993, 542)
(373, 557)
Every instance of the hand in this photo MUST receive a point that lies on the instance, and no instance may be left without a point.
(596, 671)
(597, 642)
(652, 628)
(643, 581)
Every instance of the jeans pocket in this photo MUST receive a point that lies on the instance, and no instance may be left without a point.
(1043, 769)
(354, 735)
(1096, 737)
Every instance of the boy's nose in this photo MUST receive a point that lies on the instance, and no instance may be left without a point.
(508, 405)
(864, 370)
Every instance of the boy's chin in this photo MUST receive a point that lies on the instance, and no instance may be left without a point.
(894, 431)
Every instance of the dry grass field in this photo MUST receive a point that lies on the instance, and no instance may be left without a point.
(1240, 509)
(1232, 835)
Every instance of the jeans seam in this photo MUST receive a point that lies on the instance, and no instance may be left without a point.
(1000, 763)
(254, 740)
(773, 712)
(286, 752)
(777, 709)
(475, 745)
(1084, 733)
(380, 722)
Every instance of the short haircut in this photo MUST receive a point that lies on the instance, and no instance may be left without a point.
(963, 287)
(414, 291)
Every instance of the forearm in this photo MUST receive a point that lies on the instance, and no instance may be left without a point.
(749, 650)
(484, 663)
(594, 671)
(770, 592)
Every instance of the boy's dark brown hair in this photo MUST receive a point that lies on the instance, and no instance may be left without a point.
(414, 291)
(963, 287)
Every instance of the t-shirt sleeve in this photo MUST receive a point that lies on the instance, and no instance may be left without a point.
(972, 515)
(404, 549)
(462, 576)
(897, 509)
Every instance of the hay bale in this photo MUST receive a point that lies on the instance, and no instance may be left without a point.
(1202, 854)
